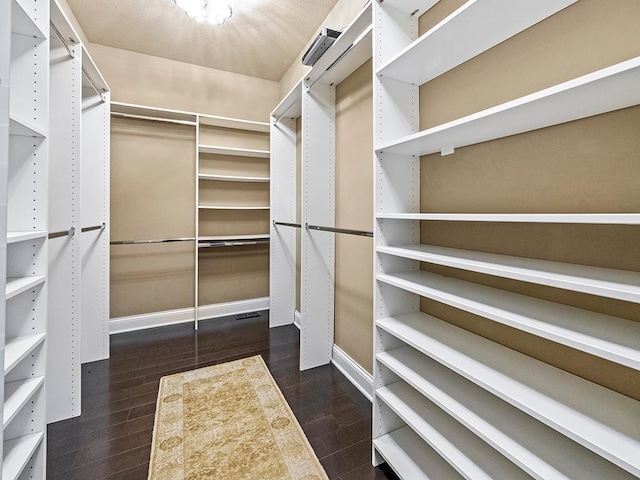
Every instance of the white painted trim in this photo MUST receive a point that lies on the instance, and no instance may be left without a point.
(357, 375)
(184, 315)
(297, 319)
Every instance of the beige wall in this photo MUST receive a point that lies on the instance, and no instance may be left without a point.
(584, 166)
(159, 82)
(151, 198)
(354, 210)
(340, 17)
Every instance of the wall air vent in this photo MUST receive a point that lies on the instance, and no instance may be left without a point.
(320, 45)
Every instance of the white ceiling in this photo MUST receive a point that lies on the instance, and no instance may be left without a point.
(262, 39)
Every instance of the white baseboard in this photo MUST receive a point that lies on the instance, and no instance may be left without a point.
(185, 315)
(297, 318)
(357, 375)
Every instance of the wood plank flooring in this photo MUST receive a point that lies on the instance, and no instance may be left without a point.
(112, 437)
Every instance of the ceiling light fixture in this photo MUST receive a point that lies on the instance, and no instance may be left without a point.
(212, 11)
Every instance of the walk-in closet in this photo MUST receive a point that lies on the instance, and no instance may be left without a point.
(330, 240)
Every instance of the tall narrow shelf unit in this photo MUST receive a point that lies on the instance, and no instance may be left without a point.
(238, 191)
(78, 216)
(313, 98)
(24, 425)
(449, 403)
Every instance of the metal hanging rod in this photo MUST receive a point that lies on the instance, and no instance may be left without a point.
(236, 243)
(96, 227)
(93, 85)
(337, 60)
(347, 231)
(62, 40)
(146, 242)
(154, 119)
(63, 233)
(286, 224)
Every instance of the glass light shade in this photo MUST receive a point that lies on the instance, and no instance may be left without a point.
(212, 11)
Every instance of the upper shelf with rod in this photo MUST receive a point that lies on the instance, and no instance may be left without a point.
(351, 49)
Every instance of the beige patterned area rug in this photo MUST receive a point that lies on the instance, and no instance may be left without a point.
(231, 422)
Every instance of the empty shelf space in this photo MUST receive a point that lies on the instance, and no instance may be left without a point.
(16, 237)
(235, 123)
(262, 236)
(606, 90)
(22, 23)
(231, 207)
(17, 285)
(536, 448)
(608, 337)
(565, 402)
(483, 25)
(465, 452)
(581, 218)
(17, 453)
(232, 178)
(17, 348)
(238, 152)
(605, 282)
(24, 128)
(405, 452)
(16, 396)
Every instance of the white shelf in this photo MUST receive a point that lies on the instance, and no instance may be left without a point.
(468, 454)
(605, 336)
(410, 6)
(91, 69)
(17, 453)
(580, 218)
(236, 152)
(350, 50)
(15, 237)
(606, 90)
(528, 443)
(16, 286)
(222, 238)
(604, 282)
(229, 207)
(22, 23)
(483, 25)
(17, 348)
(232, 178)
(16, 396)
(405, 452)
(601, 420)
(291, 105)
(235, 123)
(153, 112)
(24, 128)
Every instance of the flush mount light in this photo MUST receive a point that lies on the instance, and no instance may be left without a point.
(212, 11)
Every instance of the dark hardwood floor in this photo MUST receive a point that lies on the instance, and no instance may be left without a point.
(112, 437)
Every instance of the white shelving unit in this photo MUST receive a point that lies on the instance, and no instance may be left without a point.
(26, 47)
(78, 202)
(313, 99)
(439, 388)
(209, 179)
(282, 255)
